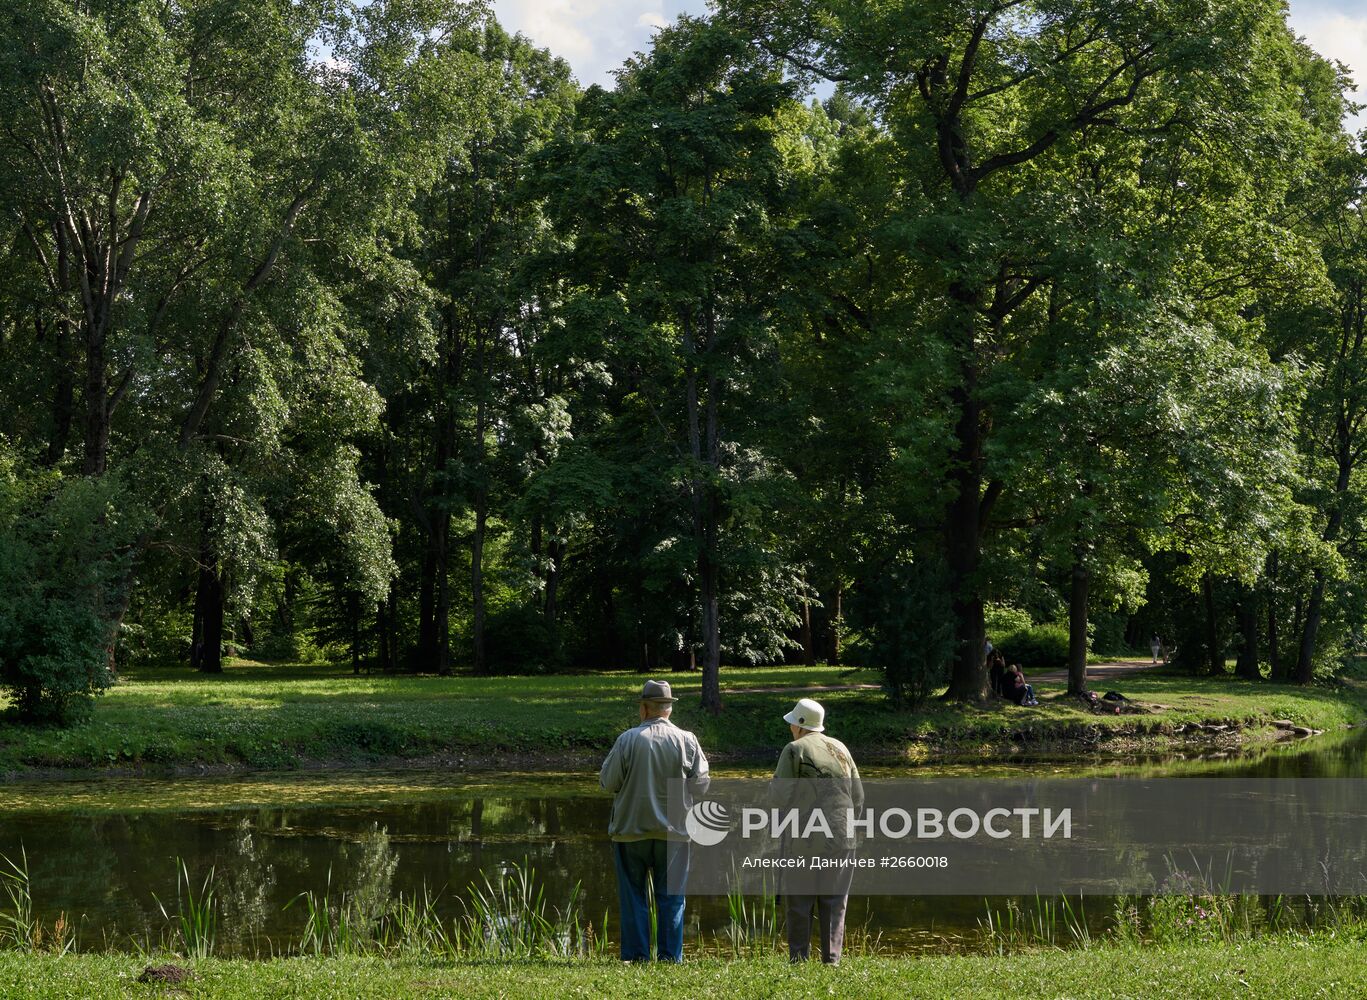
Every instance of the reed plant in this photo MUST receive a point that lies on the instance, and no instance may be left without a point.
(1051, 922)
(413, 928)
(509, 917)
(20, 928)
(753, 928)
(194, 925)
(331, 926)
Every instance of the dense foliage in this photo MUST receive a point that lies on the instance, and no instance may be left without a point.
(359, 330)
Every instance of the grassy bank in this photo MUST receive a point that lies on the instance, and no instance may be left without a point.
(260, 716)
(1283, 969)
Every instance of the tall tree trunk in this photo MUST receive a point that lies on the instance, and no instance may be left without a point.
(709, 573)
(556, 552)
(118, 610)
(96, 456)
(63, 395)
(207, 655)
(196, 631)
(382, 648)
(1346, 461)
(808, 645)
(613, 644)
(1297, 615)
(1314, 612)
(478, 624)
(282, 619)
(1215, 661)
(1247, 664)
(1305, 659)
(1277, 668)
(392, 627)
(353, 610)
(481, 519)
(427, 606)
(964, 518)
(702, 443)
(439, 516)
(1077, 621)
(834, 623)
(441, 612)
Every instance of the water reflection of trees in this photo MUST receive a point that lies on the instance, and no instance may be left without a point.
(245, 884)
(108, 865)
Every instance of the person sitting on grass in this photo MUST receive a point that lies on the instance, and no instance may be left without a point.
(1016, 688)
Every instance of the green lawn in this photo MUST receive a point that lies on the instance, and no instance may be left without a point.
(1277, 968)
(270, 716)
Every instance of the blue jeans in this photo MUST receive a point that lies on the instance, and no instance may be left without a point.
(637, 861)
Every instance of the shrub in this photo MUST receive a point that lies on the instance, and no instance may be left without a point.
(1004, 619)
(906, 621)
(159, 635)
(1108, 633)
(60, 567)
(1040, 647)
(372, 736)
(518, 641)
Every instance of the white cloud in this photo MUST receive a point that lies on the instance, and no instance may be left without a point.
(1333, 32)
(595, 36)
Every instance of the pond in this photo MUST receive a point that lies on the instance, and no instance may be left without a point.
(104, 852)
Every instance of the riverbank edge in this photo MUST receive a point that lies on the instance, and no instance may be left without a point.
(1039, 738)
(1280, 967)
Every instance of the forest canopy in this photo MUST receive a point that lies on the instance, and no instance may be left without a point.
(832, 331)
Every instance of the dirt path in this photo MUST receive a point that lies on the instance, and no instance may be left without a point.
(802, 689)
(1111, 673)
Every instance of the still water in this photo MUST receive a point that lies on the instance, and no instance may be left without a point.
(104, 852)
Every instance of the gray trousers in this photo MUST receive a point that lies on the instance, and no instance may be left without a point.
(830, 912)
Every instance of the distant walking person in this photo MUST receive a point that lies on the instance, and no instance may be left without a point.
(645, 845)
(1155, 646)
(813, 755)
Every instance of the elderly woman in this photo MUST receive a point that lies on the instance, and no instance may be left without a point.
(814, 756)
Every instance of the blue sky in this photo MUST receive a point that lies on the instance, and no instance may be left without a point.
(596, 35)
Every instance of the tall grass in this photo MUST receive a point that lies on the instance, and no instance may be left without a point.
(1052, 922)
(20, 928)
(506, 917)
(1194, 917)
(753, 928)
(509, 917)
(194, 925)
(412, 928)
(330, 927)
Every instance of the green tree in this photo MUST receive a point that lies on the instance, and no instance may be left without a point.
(991, 107)
(673, 190)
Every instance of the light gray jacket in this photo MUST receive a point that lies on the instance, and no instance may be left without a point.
(638, 770)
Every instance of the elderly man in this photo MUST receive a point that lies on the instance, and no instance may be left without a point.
(645, 843)
(813, 755)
